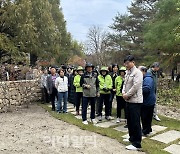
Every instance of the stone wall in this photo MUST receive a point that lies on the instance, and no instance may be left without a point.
(16, 93)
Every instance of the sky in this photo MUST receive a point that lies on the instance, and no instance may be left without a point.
(80, 15)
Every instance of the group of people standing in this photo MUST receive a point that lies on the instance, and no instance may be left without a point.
(134, 88)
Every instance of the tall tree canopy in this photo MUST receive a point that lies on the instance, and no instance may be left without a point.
(150, 30)
(35, 27)
(128, 28)
(161, 31)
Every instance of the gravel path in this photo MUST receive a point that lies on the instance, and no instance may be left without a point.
(34, 131)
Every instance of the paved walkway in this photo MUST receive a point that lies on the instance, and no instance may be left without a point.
(35, 131)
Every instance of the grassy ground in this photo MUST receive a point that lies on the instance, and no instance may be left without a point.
(149, 146)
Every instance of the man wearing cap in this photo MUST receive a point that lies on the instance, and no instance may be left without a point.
(132, 94)
(154, 73)
(90, 84)
(79, 90)
(105, 87)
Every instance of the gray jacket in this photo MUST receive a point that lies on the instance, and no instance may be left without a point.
(50, 83)
(92, 80)
(133, 85)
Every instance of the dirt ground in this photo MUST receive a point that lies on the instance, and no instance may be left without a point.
(170, 112)
(34, 131)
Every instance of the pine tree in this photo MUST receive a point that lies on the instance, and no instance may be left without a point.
(129, 28)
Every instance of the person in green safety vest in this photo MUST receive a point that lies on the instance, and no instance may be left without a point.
(121, 103)
(79, 90)
(105, 87)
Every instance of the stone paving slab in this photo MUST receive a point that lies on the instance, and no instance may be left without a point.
(49, 105)
(121, 129)
(127, 136)
(70, 106)
(123, 120)
(103, 119)
(71, 109)
(73, 112)
(106, 124)
(78, 117)
(156, 129)
(174, 149)
(167, 137)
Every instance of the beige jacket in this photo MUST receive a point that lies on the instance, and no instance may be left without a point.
(133, 85)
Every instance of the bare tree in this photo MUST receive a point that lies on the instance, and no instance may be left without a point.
(97, 45)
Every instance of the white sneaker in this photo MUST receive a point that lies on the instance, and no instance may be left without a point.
(131, 147)
(85, 122)
(157, 118)
(111, 118)
(118, 120)
(107, 118)
(126, 140)
(94, 121)
(100, 118)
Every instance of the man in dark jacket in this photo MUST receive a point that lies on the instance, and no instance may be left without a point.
(149, 99)
(154, 73)
(90, 84)
(52, 91)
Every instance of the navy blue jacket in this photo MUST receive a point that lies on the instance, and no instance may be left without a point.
(149, 96)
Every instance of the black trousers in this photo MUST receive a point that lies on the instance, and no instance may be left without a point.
(45, 95)
(79, 96)
(104, 100)
(146, 118)
(86, 101)
(121, 104)
(134, 126)
(53, 96)
(111, 101)
(97, 104)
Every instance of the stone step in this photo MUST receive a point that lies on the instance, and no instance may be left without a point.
(49, 105)
(78, 117)
(73, 112)
(121, 129)
(106, 124)
(71, 109)
(127, 136)
(167, 137)
(173, 149)
(156, 129)
(70, 106)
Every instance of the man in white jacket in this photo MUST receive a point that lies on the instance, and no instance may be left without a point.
(132, 94)
(61, 84)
